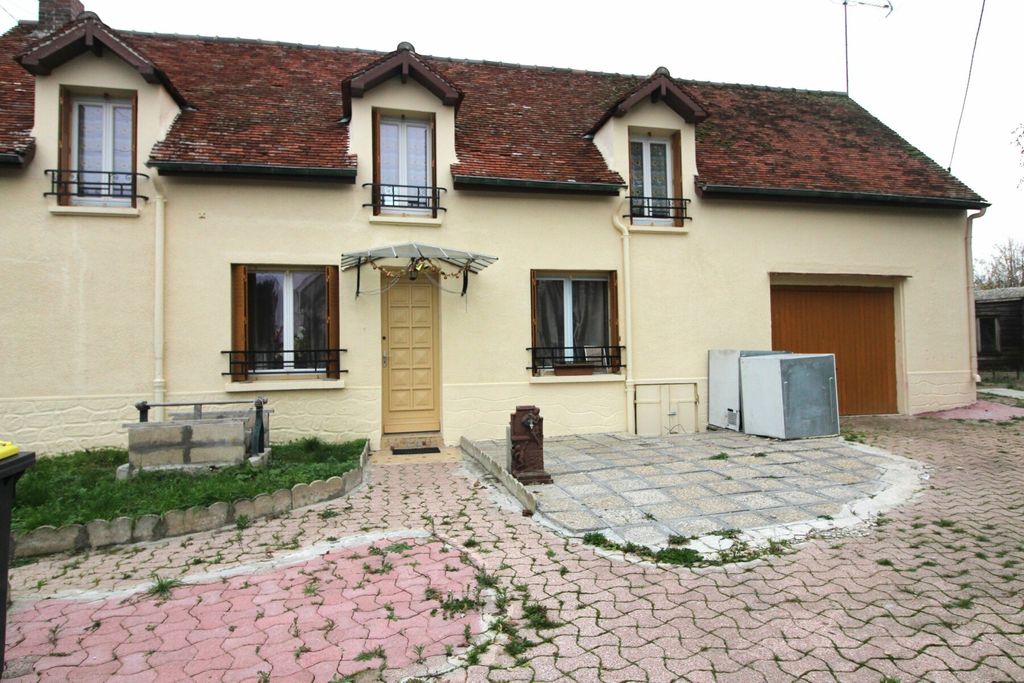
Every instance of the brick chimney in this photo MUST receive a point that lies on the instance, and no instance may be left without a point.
(55, 13)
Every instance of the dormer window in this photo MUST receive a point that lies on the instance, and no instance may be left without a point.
(655, 192)
(405, 160)
(102, 150)
(404, 168)
(97, 152)
(650, 178)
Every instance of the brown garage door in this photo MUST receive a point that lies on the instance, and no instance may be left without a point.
(857, 324)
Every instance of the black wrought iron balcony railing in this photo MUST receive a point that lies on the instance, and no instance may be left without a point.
(572, 358)
(419, 198)
(67, 183)
(304, 362)
(658, 208)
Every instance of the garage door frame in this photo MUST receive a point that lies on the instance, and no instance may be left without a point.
(894, 282)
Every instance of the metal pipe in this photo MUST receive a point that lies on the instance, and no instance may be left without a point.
(972, 337)
(627, 296)
(159, 252)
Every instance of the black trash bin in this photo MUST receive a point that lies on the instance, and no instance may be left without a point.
(11, 469)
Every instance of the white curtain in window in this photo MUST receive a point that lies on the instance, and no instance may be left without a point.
(551, 313)
(590, 313)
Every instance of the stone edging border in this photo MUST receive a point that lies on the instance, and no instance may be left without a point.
(511, 484)
(101, 533)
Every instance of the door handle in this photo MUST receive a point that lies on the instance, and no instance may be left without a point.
(384, 360)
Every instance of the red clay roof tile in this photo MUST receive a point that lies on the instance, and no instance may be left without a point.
(262, 103)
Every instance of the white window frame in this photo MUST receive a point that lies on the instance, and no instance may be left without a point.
(108, 104)
(647, 140)
(288, 327)
(567, 280)
(404, 123)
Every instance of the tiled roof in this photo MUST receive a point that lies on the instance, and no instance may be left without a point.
(17, 97)
(273, 104)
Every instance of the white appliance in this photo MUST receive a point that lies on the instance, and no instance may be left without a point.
(724, 388)
(790, 396)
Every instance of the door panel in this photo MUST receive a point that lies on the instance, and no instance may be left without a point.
(858, 325)
(411, 378)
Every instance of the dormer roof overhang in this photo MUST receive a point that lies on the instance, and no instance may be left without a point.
(658, 88)
(403, 63)
(88, 34)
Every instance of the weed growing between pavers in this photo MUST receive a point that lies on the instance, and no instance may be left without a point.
(162, 587)
(78, 487)
(739, 551)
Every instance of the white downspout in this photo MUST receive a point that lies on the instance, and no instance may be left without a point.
(627, 295)
(972, 326)
(159, 381)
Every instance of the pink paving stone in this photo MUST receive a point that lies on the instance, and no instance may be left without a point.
(982, 410)
(197, 635)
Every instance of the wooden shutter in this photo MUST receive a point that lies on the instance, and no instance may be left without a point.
(435, 194)
(677, 175)
(64, 147)
(333, 323)
(613, 319)
(533, 315)
(375, 190)
(239, 323)
(135, 148)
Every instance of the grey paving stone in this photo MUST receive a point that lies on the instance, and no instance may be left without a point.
(745, 520)
(716, 506)
(643, 535)
(646, 497)
(614, 482)
(577, 520)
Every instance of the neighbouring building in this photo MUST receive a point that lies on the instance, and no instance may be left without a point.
(1000, 330)
(397, 242)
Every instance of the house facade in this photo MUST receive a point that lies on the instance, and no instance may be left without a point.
(393, 243)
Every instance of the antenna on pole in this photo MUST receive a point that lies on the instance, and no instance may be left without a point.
(846, 29)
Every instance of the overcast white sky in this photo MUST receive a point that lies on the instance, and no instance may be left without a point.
(908, 69)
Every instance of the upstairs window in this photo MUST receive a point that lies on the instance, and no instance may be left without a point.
(404, 166)
(655, 191)
(97, 152)
(575, 322)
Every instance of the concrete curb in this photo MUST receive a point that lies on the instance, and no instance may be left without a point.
(101, 533)
(511, 484)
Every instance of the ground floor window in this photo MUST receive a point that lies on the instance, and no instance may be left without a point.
(284, 320)
(575, 321)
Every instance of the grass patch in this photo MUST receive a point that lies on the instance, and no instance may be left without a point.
(720, 456)
(960, 603)
(852, 436)
(75, 488)
(536, 616)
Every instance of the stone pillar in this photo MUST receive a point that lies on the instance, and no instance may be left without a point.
(527, 436)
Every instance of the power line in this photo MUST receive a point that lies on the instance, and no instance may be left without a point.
(967, 87)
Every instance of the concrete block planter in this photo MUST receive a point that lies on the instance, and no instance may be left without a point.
(101, 533)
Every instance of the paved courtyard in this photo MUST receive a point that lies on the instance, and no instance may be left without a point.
(430, 569)
(647, 489)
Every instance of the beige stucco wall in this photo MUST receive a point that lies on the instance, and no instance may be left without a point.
(78, 292)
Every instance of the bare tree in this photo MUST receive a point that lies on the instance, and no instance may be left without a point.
(1018, 141)
(1004, 268)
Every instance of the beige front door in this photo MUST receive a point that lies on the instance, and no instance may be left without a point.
(409, 341)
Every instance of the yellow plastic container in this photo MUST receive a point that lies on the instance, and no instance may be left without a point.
(7, 449)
